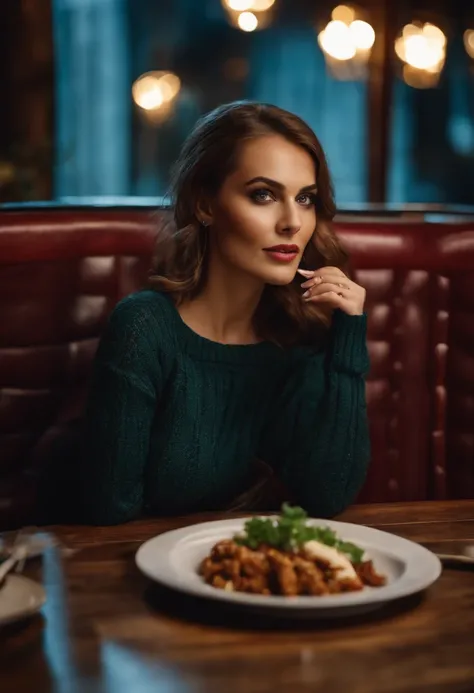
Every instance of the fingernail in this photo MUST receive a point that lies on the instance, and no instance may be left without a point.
(306, 294)
(305, 273)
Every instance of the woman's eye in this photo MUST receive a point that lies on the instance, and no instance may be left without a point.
(261, 195)
(307, 200)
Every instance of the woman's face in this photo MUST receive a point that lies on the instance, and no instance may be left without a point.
(264, 214)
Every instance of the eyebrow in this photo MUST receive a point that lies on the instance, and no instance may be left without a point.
(279, 186)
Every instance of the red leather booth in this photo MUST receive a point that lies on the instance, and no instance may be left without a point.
(63, 269)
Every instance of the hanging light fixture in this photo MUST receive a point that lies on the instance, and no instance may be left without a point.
(422, 49)
(347, 42)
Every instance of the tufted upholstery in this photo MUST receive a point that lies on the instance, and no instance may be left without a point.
(63, 270)
(453, 349)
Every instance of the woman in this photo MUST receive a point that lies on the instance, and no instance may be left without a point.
(248, 345)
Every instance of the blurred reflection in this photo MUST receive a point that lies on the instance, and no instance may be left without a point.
(247, 21)
(422, 47)
(346, 42)
(469, 42)
(58, 645)
(343, 13)
(249, 15)
(155, 92)
(243, 5)
(126, 670)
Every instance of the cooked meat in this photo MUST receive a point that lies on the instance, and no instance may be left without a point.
(369, 575)
(253, 562)
(210, 568)
(255, 585)
(351, 585)
(224, 549)
(287, 578)
(231, 568)
(310, 577)
(270, 571)
(222, 583)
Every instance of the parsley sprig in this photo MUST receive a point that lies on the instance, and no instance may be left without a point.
(290, 531)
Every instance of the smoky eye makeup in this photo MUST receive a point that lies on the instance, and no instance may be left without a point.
(261, 195)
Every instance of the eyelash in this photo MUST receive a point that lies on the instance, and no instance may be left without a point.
(263, 191)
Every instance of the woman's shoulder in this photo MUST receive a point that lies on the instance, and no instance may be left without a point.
(144, 315)
(141, 303)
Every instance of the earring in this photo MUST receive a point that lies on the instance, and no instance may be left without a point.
(205, 224)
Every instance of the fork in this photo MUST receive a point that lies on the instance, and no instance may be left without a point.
(16, 558)
(465, 558)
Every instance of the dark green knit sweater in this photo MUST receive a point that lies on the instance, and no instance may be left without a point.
(174, 420)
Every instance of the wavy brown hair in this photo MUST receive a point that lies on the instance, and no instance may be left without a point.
(208, 156)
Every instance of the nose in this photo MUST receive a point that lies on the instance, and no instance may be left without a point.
(289, 223)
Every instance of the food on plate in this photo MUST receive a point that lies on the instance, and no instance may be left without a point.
(289, 557)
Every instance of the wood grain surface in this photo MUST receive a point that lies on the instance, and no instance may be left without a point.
(107, 628)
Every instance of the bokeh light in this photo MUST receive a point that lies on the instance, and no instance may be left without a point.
(153, 90)
(343, 13)
(247, 21)
(469, 42)
(422, 47)
(362, 34)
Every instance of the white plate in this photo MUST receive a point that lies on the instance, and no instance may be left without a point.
(173, 558)
(20, 597)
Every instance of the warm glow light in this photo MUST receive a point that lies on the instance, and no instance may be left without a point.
(147, 93)
(400, 48)
(154, 89)
(410, 30)
(423, 48)
(420, 54)
(419, 79)
(343, 13)
(170, 84)
(262, 5)
(362, 35)
(469, 42)
(245, 5)
(239, 5)
(434, 35)
(347, 42)
(336, 41)
(247, 21)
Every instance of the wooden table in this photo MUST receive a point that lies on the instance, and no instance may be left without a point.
(106, 628)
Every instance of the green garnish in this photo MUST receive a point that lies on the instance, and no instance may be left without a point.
(290, 531)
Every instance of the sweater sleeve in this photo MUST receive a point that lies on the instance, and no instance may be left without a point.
(125, 389)
(317, 438)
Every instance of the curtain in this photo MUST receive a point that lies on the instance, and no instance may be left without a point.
(92, 97)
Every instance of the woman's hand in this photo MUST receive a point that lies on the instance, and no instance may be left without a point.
(331, 287)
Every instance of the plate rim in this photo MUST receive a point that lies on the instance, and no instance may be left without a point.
(348, 600)
(25, 612)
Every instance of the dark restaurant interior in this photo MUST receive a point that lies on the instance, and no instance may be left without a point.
(97, 99)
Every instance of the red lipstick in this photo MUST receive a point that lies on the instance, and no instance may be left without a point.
(283, 252)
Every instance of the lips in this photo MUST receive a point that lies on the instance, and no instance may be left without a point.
(283, 249)
(283, 252)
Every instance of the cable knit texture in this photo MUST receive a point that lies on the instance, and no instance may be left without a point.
(174, 421)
